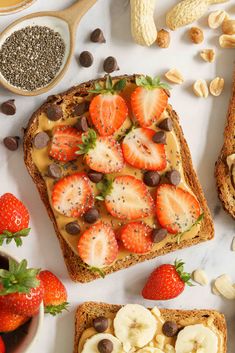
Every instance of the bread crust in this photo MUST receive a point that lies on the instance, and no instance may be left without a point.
(76, 268)
(88, 311)
(225, 188)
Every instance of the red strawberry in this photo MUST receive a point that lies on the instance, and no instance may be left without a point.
(108, 110)
(136, 237)
(166, 282)
(14, 219)
(55, 294)
(141, 152)
(128, 198)
(98, 246)
(149, 100)
(10, 322)
(102, 154)
(72, 196)
(65, 143)
(177, 210)
(21, 291)
(2, 345)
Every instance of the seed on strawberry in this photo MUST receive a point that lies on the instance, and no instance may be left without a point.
(136, 237)
(141, 152)
(10, 322)
(72, 196)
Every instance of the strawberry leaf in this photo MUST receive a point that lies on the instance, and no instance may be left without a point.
(105, 187)
(9, 236)
(56, 309)
(88, 142)
(109, 87)
(180, 235)
(185, 276)
(151, 83)
(120, 85)
(97, 270)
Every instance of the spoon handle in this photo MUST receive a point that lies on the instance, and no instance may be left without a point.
(75, 12)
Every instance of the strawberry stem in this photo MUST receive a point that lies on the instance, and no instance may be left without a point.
(185, 276)
(56, 309)
(9, 236)
(151, 83)
(108, 86)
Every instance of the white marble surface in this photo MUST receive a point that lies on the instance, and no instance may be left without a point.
(203, 123)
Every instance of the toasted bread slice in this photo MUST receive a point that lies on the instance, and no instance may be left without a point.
(87, 312)
(226, 189)
(77, 269)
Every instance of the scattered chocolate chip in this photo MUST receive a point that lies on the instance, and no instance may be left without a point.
(80, 108)
(41, 140)
(86, 59)
(170, 328)
(151, 178)
(73, 228)
(159, 137)
(166, 124)
(97, 36)
(105, 346)
(159, 234)
(54, 112)
(11, 142)
(92, 215)
(8, 107)
(94, 176)
(82, 124)
(174, 177)
(110, 64)
(101, 324)
(54, 171)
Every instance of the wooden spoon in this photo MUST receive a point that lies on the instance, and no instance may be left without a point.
(65, 22)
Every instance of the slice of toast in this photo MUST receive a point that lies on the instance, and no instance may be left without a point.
(76, 268)
(87, 312)
(226, 190)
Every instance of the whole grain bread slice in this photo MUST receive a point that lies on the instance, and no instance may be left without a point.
(76, 268)
(88, 311)
(225, 188)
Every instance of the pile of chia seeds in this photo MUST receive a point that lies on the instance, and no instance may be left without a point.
(31, 57)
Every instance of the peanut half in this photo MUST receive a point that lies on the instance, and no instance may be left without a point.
(208, 55)
(196, 35)
(227, 41)
(200, 277)
(216, 86)
(228, 27)
(225, 287)
(163, 38)
(216, 18)
(174, 76)
(200, 89)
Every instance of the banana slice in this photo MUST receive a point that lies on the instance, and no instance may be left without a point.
(91, 344)
(149, 350)
(196, 338)
(134, 326)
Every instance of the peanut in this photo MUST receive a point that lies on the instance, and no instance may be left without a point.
(196, 35)
(228, 27)
(174, 76)
(208, 55)
(200, 89)
(163, 38)
(216, 18)
(216, 86)
(225, 287)
(227, 41)
(200, 277)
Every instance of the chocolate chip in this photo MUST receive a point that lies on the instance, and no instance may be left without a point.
(80, 108)
(94, 176)
(82, 124)
(101, 324)
(159, 137)
(73, 228)
(166, 124)
(86, 59)
(159, 234)
(97, 36)
(170, 328)
(54, 171)
(105, 346)
(151, 178)
(11, 142)
(174, 177)
(92, 215)
(110, 64)
(54, 112)
(41, 140)
(8, 107)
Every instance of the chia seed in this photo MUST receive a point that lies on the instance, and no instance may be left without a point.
(31, 57)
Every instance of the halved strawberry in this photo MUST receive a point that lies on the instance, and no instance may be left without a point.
(149, 100)
(102, 154)
(65, 143)
(128, 198)
(108, 110)
(177, 210)
(141, 152)
(98, 246)
(136, 237)
(72, 196)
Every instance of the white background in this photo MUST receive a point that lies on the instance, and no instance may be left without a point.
(203, 123)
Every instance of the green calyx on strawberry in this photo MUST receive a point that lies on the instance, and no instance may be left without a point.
(104, 187)
(56, 309)
(185, 276)
(151, 83)
(88, 142)
(8, 236)
(109, 87)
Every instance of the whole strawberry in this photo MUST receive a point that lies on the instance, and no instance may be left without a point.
(55, 294)
(2, 346)
(10, 322)
(166, 282)
(14, 219)
(21, 290)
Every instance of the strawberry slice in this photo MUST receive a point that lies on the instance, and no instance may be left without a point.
(102, 154)
(128, 198)
(177, 210)
(108, 110)
(149, 100)
(65, 143)
(72, 196)
(98, 246)
(141, 152)
(136, 237)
